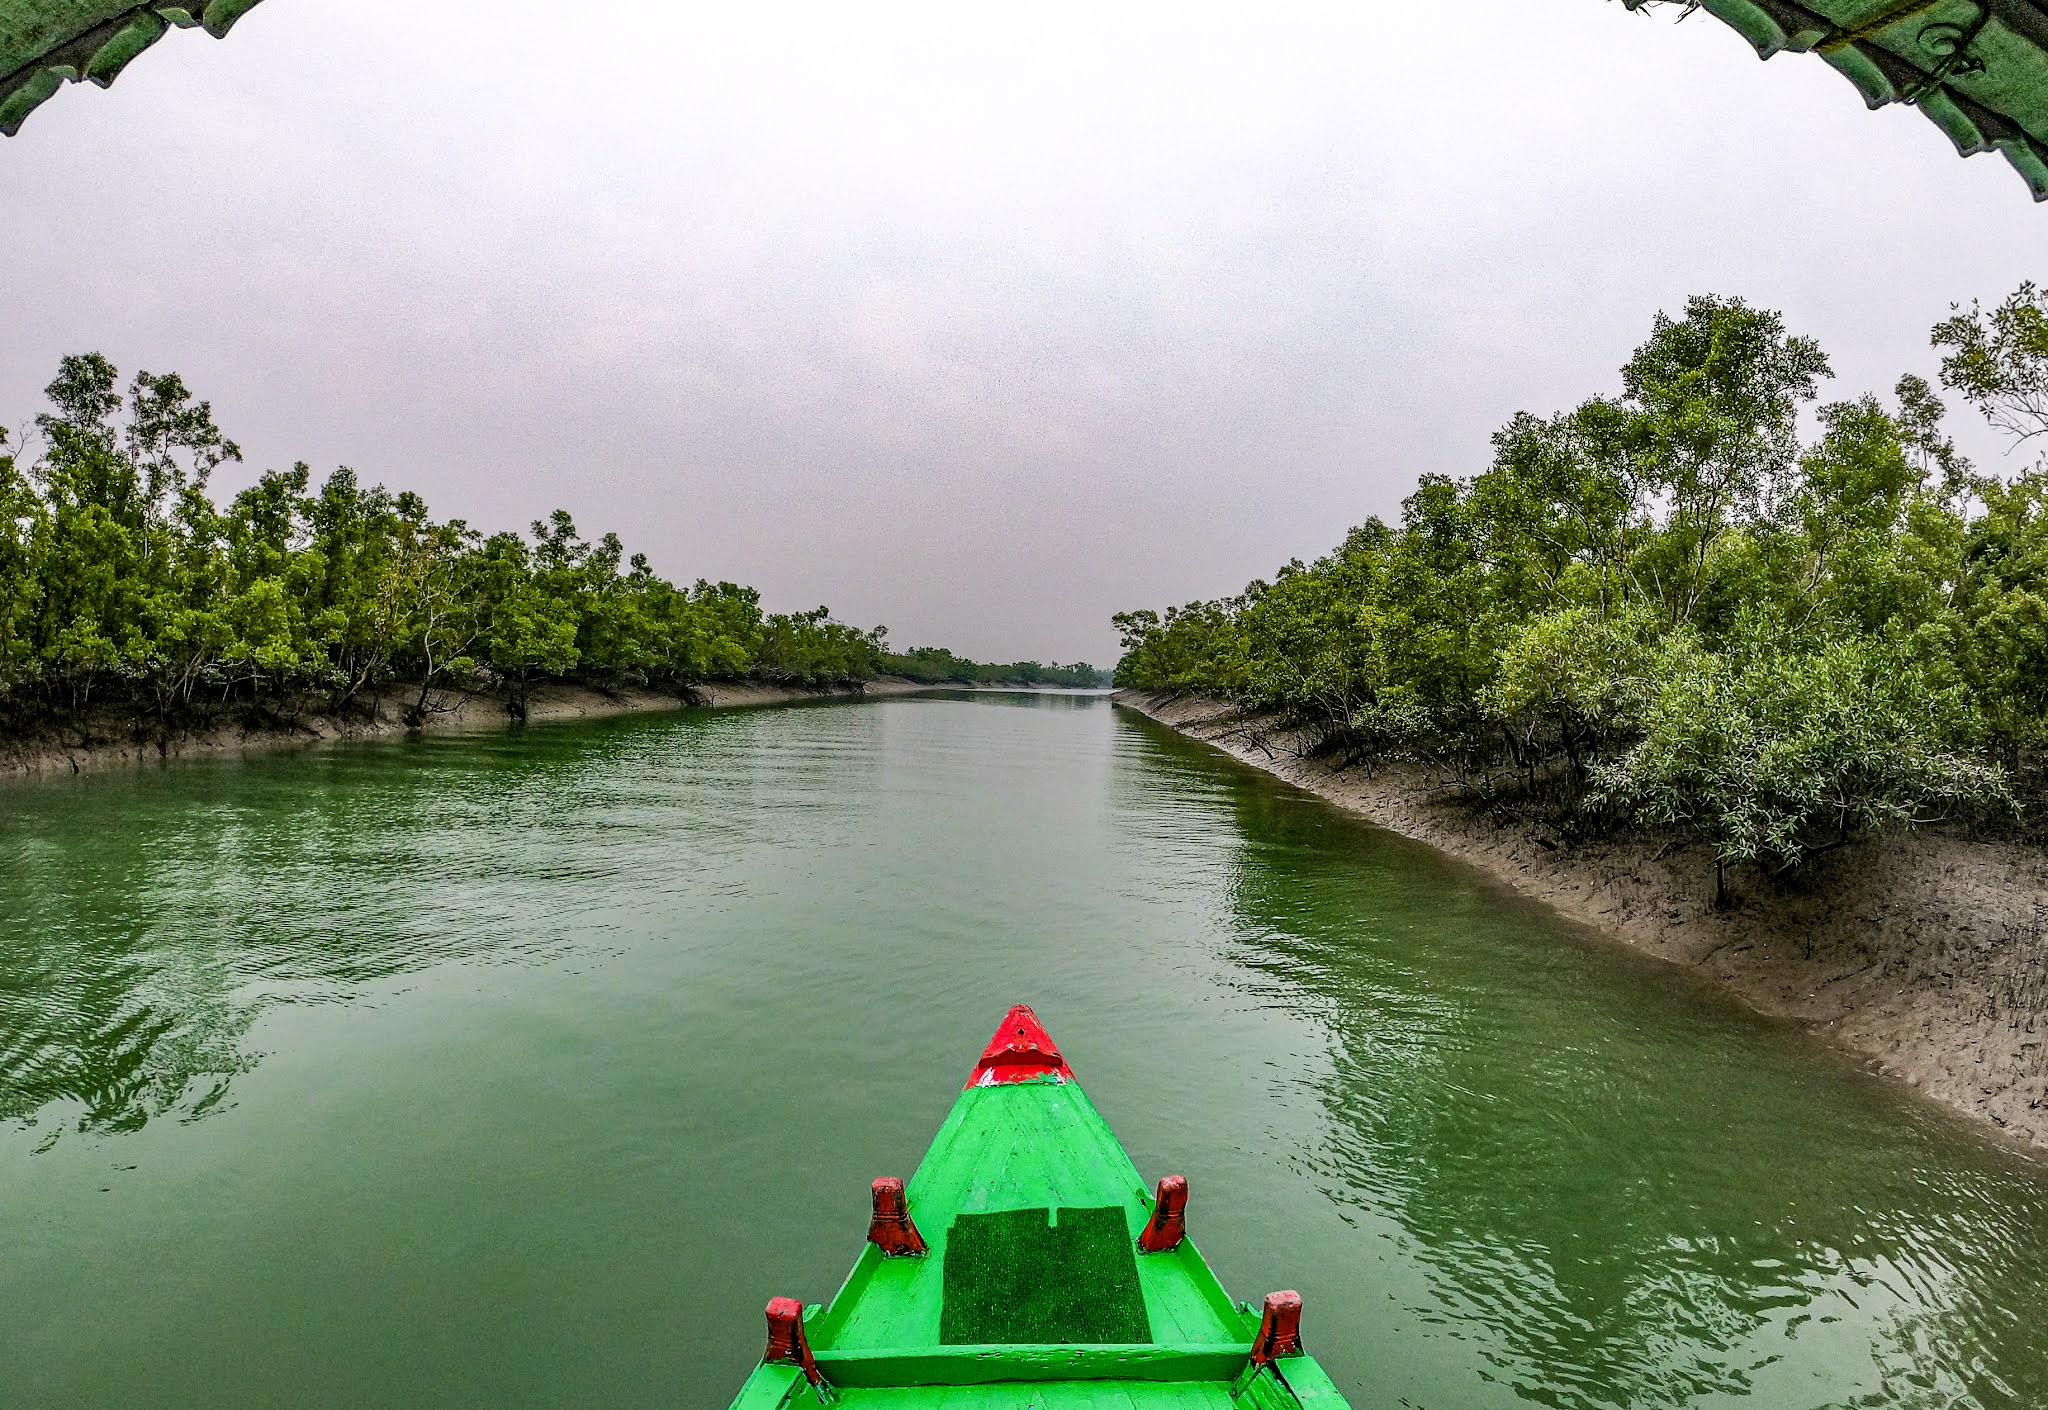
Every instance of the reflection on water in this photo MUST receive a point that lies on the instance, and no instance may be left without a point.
(518, 1069)
(1617, 1204)
(144, 933)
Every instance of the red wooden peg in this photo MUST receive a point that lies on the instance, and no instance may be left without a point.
(892, 1229)
(1279, 1329)
(1169, 1217)
(787, 1344)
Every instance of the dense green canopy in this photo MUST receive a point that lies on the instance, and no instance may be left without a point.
(126, 590)
(1707, 604)
(1977, 68)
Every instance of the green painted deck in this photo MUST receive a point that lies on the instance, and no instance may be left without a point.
(1039, 1153)
(1033, 1145)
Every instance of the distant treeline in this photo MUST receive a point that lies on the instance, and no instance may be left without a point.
(1668, 609)
(937, 666)
(123, 585)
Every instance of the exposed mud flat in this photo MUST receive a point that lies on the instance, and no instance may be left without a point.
(111, 740)
(1927, 954)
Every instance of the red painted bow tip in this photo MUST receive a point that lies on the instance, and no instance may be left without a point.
(1020, 1051)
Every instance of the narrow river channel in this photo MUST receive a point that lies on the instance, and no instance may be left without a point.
(520, 1070)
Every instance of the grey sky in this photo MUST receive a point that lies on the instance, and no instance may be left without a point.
(981, 321)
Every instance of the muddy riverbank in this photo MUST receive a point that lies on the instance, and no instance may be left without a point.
(1926, 954)
(94, 741)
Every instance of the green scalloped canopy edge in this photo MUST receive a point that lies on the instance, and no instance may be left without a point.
(45, 42)
(1977, 68)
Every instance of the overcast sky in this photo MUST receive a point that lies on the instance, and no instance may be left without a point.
(980, 321)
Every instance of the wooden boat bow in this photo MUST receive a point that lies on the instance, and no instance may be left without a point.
(1027, 1264)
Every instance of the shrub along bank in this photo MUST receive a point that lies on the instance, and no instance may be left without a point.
(1668, 609)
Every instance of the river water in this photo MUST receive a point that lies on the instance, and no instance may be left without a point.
(522, 1069)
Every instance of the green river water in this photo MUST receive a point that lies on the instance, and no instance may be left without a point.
(522, 1069)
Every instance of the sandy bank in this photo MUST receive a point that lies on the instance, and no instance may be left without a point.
(1926, 954)
(110, 741)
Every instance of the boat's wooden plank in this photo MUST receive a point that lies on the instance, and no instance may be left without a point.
(1312, 1387)
(770, 1388)
(983, 1365)
(1183, 1298)
(896, 1302)
(1114, 1397)
(1293, 1383)
(826, 1325)
(1044, 1395)
(1099, 1395)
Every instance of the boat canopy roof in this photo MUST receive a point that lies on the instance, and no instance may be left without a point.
(1977, 68)
(45, 42)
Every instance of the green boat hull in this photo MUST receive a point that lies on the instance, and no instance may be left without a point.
(1033, 1289)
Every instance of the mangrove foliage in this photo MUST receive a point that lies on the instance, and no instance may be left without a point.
(125, 587)
(1708, 602)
